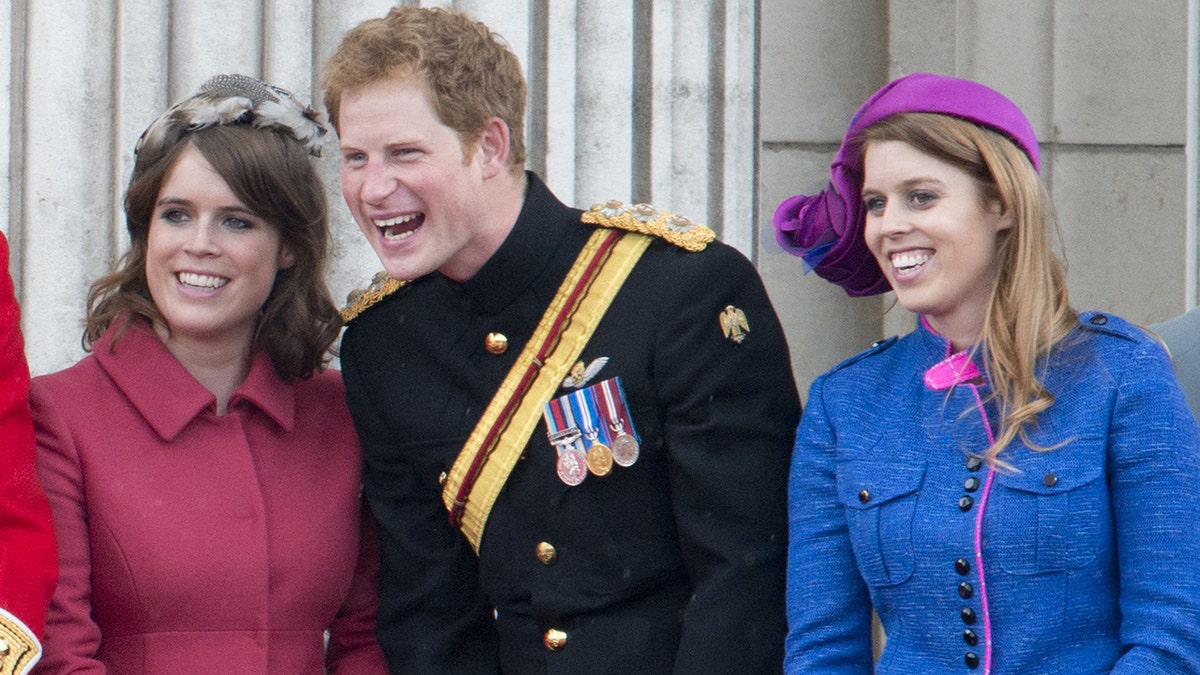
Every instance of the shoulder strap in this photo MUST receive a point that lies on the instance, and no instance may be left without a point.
(21, 647)
(679, 230)
(361, 299)
(492, 449)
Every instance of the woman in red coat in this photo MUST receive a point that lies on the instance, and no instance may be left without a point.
(201, 465)
(27, 567)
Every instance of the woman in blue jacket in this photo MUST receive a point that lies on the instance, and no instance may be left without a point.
(1012, 486)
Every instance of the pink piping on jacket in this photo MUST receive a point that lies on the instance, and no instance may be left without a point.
(987, 488)
(957, 369)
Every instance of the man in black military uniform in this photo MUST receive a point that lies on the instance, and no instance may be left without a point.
(640, 523)
(1182, 337)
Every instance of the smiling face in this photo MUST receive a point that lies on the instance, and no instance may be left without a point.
(417, 198)
(934, 235)
(210, 262)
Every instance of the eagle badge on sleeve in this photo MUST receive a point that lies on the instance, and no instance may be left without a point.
(734, 324)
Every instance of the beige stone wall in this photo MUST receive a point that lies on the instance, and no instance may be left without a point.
(641, 101)
(1104, 82)
(713, 108)
(85, 77)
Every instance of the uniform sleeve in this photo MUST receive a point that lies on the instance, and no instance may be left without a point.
(1182, 337)
(72, 638)
(27, 565)
(729, 414)
(433, 616)
(1154, 466)
(828, 607)
(353, 649)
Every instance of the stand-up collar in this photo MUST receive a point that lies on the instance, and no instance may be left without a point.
(529, 248)
(947, 368)
(167, 395)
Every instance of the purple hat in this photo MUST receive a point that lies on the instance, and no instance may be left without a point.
(826, 229)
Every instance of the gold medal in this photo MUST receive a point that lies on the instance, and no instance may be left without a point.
(599, 459)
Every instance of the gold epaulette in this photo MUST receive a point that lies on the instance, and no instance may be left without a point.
(361, 299)
(679, 230)
(19, 647)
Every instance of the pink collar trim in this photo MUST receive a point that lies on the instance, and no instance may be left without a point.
(954, 369)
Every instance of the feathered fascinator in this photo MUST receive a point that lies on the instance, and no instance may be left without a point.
(826, 229)
(235, 99)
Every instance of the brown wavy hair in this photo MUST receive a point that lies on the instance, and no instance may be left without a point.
(1029, 312)
(271, 174)
(471, 73)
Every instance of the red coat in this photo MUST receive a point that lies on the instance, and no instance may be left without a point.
(27, 568)
(196, 543)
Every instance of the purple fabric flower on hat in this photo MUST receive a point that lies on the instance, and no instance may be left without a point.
(826, 229)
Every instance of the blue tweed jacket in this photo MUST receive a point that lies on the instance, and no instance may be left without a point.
(1084, 559)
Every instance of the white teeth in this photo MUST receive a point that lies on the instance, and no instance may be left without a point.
(395, 221)
(201, 280)
(392, 235)
(908, 260)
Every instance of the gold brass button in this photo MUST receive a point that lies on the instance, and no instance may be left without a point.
(864, 496)
(496, 343)
(554, 639)
(546, 553)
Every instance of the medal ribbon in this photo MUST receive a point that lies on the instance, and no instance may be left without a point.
(595, 405)
(564, 405)
(557, 425)
(614, 407)
(584, 415)
(608, 422)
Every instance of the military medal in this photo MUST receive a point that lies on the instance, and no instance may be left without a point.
(571, 465)
(599, 457)
(611, 399)
(591, 430)
(625, 448)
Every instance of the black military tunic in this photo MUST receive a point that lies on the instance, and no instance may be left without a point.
(674, 563)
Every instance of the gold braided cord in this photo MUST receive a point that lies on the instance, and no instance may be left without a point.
(644, 218)
(362, 299)
(21, 646)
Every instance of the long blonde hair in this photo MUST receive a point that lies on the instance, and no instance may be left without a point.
(1028, 313)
